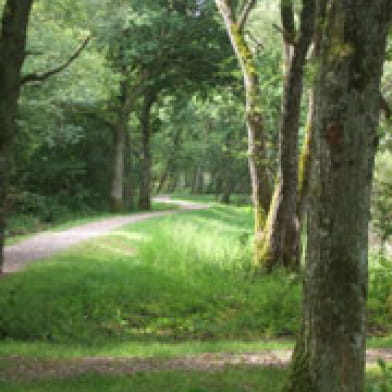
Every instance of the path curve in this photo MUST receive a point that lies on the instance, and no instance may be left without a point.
(44, 245)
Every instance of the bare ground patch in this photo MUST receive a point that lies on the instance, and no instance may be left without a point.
(17, 368)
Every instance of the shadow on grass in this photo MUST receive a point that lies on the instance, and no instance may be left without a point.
(231, 379)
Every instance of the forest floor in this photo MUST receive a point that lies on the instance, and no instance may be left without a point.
(44, 245)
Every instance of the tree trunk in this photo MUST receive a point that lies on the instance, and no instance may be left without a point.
(258, 168)
(330, 354)
(129, 187)
(281, 234)
(117, 186)
(120, 137)
(199, 180)
(171, 165)
(305, 165)
(14, 23)
(227, 191)
(145, 125)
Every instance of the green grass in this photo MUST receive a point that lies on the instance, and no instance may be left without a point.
(230, 379)
(153, 349)
(189, 280)
(164, 287)
(227, 380)
(236, 199)
(204, 198)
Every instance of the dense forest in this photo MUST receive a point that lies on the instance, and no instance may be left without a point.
(256, 134)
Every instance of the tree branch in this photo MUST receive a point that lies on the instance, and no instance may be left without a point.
(40, 77)
(285, 36)
(287, 17)
(243, 17)
(384, 107)
(226, 12)
(259, 45)
(33, 53)
(97, 117)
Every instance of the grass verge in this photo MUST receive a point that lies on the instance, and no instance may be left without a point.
(230, 379)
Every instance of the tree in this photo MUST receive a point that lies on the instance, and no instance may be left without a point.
(258, 167)
(282, 230)
(14, 53)
(202, 140)
(14, 22)
(330, 352)
(174, 45)
(149, 97)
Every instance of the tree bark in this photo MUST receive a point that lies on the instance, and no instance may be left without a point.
(120, 134)
(145, 126)
(171, 165)
(121, 176)
(117, 185)
(14, 23)
(330, 353)
(281, 233)
(258, 168)
(129, 173)
(305, 165)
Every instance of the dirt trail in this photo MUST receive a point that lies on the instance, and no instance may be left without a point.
(27, 369)
(44, 245)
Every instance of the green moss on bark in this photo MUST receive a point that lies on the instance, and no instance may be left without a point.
(299, 378)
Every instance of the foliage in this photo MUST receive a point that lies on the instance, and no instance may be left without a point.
(202, 135)
(384, 382)
(380, 294)
(382, 197)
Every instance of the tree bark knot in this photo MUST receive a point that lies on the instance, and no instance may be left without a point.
(334, 134)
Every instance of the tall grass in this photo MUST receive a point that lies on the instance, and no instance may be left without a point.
(177, 278)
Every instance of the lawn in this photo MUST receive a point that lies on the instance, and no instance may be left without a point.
(229, 379)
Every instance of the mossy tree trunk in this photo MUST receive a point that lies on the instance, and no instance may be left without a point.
(14, 21)
(330, 355)
(305, 165)
(281, 235)
(258, 165)
(146, 161)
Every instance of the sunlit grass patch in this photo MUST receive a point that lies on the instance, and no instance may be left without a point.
(153, 349)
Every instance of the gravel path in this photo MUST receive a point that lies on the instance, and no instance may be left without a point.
(44, 245)
(28, 369)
